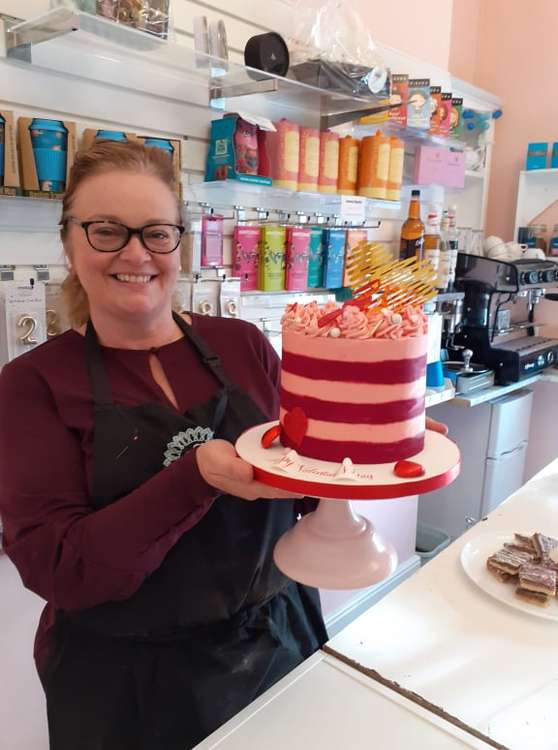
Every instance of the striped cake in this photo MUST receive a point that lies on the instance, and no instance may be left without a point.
(356, 387)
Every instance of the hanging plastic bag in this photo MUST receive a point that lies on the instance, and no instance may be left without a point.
(331, 48)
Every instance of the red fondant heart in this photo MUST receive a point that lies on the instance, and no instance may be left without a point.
(270, 436)
(295, 425)
(408, 469)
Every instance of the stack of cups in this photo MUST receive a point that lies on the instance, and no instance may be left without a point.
(111, 135)
(163, 143)
(49, 139)
(2, 136)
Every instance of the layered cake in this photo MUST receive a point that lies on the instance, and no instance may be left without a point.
(354, 387)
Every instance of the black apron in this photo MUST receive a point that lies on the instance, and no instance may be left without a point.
(215, 626)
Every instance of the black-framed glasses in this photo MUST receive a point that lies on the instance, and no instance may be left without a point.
(111, 236)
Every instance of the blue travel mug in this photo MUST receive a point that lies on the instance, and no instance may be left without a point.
(434, 375)
(111, 135)
(2, 138)
(163, 143)
(49, 139)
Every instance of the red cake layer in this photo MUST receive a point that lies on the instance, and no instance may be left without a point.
(362, 399)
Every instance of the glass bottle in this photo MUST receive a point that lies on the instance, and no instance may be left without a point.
(412, 231)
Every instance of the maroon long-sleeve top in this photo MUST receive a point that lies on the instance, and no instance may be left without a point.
(65, 551)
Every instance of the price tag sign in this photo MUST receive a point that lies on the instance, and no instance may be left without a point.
(353, 209)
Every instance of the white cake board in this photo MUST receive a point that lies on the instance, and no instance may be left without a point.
(334, 548)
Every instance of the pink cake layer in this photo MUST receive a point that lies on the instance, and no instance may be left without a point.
(363, 399)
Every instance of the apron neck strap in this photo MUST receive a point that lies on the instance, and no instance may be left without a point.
(102, 394)
(100, 386)
(208, 357)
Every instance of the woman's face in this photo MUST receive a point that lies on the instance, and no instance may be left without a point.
(132, 282)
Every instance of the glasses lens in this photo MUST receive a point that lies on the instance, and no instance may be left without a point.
(161, 238)
(107, 236)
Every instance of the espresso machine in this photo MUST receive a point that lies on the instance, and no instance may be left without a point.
(498, 323)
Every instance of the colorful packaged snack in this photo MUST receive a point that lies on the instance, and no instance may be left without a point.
(445, 121)
(418, 108)
(436, 111)
(334, 257)
(400, 96)
(455, 118)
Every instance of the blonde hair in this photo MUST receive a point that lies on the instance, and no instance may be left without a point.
(102, 157)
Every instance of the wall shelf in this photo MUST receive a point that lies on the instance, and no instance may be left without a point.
(235, 193)
(77, 44)
(22, 214)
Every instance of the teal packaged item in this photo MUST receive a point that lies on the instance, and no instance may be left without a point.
(316, 259)
(2, 139)
(334, 257)
(49, 139)
(163, 143)
(111, 135)
(536, 156)
(222, 161)
(554, 157)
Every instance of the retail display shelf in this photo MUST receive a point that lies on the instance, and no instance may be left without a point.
(247, 195)
(77, 44)
(23, 214)
(489, 394)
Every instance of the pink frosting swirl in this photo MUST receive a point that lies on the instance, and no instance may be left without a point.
(354, 323)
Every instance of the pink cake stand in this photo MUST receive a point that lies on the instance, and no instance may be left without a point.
(334, 548)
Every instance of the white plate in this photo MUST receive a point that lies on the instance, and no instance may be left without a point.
(473, 558)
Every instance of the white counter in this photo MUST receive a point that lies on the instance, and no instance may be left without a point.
(494, 667)
(325, 704)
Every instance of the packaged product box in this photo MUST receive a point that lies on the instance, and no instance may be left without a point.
(246, 255)
(233, 151)
(354, 236)
(430, 165)
(90, 135)
(272, 258)
(315, 259)
(172, 146)
(47, 150)
(456, 116)
(445, 120)
(279, 154)
(436, 111)
(418, 108)
(296, 258)
(400, 96)
(9, 167)
(334, 257)
(455, 169)
(536, 156)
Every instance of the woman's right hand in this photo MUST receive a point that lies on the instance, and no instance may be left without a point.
(222, 468)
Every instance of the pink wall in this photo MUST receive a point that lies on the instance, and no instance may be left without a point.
(513, 57)
(464, 39)
(420, 29)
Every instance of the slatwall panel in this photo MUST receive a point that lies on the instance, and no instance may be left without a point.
(31, 91)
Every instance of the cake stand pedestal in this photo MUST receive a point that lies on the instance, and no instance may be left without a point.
(333, 547)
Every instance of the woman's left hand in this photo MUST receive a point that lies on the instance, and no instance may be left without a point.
(432, 424)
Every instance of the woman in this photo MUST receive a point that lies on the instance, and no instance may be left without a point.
(123, 500)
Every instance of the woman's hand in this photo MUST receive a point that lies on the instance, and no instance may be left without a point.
(222, 468)
(431, 424)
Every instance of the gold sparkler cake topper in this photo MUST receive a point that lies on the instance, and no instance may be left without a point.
(377, 281)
